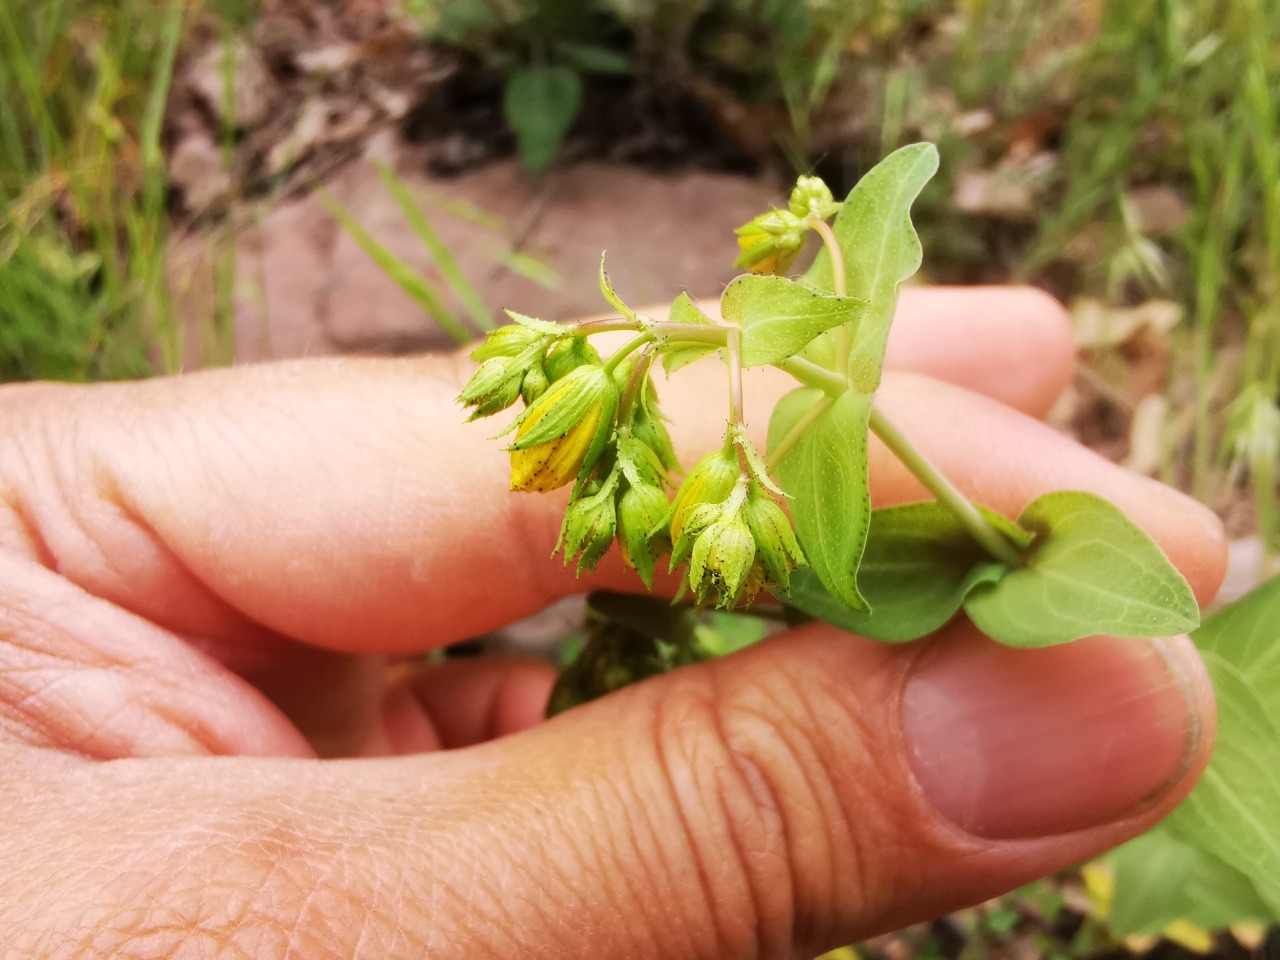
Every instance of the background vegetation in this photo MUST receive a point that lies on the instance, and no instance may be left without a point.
(1117, 152)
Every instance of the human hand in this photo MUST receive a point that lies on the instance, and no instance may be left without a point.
(201, 581)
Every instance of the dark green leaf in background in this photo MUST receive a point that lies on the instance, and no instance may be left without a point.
(539, 104)
(1160, 879)
(594, 58)
(1216, 859)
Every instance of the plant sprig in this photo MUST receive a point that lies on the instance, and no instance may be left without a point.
(1071, 565)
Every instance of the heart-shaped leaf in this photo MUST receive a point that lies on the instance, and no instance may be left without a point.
(1090, 570)
(779, 316)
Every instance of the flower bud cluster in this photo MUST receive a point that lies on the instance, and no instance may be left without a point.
(726, 524)
(596, 425)
(772, 241)
(626, 496)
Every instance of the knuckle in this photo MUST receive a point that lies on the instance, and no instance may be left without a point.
(782, 783)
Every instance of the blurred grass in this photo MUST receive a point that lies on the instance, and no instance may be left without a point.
(84, 289)
(1088, 103)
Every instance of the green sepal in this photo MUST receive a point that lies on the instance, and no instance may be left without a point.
(776, 545)
(569, 354)
(539, 326)
(606, 288)
(647, 426)
(589, 525)
(564, 405)
(641, 536)
(755, 463)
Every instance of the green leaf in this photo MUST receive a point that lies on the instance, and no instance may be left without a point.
(1216, 859)
(825, 473)
(1160, 879)
(881, 250)
(594, 58)
(918, 566)
(539, 104)
(684, 310)
(1234, 811)
(1091, 570)
(465, 23)
(779, 316)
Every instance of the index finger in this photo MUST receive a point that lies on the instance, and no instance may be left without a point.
(344, 503)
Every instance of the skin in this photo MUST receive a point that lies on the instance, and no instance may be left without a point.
(206, 584)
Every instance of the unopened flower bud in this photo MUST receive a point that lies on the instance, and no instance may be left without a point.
(642, 536)
(776, 547)
(568, 355)
(508, 341)
(565, 430)
(771, 242)
(722, 558)
(648, 428)
(589, 525)
(710, 481)
(495, 385)
(811, 198)
(535, 383)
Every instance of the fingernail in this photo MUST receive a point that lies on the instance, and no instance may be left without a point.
(1015, 744)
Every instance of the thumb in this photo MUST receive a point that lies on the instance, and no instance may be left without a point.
(811, 791)
(820, 789)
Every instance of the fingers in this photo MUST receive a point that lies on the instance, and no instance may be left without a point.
(81, 677)
(341, 503)
(811, 791)
(460, 703)
(1013, 344)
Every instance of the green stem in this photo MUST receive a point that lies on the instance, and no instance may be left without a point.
(844, 340)
(630, 347)
(812, 375)
(633, 387)
(585, 328)
(990, 538)
(736, 416)
(735, 377)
